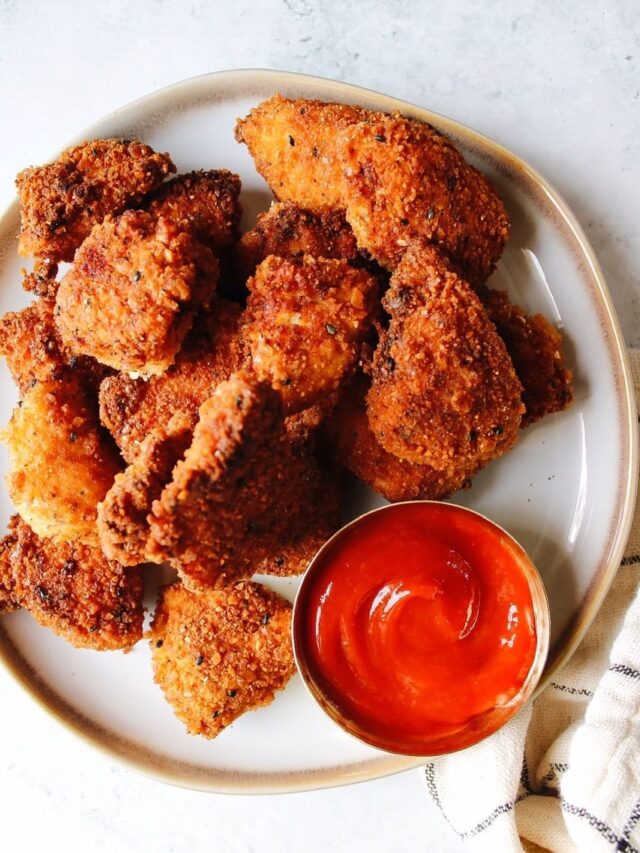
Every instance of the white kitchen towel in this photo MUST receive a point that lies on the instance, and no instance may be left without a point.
(564, 775)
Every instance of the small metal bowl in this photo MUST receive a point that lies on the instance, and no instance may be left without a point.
(479, 727)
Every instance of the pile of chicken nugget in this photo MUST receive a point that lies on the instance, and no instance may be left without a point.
(193, 396)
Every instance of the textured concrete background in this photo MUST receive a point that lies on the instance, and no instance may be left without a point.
(559, 83)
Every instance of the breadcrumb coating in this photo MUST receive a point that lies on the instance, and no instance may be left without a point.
(131, 408)
(305, 321)
(42, 280)
(244, 499)
(535, 348)
(357, 448)
(397, 179)
(405, 181)
(71, 588)
(8, 602)
(444, 391)
(220, 653)
(62, 464)
(34, 350)
(293, 145)
(204, 203)
(289, 231)
(130, 297)
(123, 524)
(61, 202)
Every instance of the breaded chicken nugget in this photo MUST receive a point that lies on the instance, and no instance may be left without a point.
(130, 408)
(123, 526)
(62, 464)
(245, 498)
(357, 448)
(305, 321)
(8, 601)
(205, 203)
(130, 297)
(89, 601)
(60, 203)
(293, 144)
(289, 231)
(404, 181)
(42, 280)
(444, 391)
(535, 348)
(398, 179)
(220, 653)
(34, 350)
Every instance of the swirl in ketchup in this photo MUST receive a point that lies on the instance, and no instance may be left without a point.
(415, 627)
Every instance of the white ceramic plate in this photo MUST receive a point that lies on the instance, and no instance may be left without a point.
(566, 491)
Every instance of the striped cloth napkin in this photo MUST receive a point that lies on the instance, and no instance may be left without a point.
(564, 775)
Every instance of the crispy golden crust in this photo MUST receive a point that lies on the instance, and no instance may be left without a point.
(356, 447)
(42, 279)
(131, 408)
(535, 347)
(130, 297)
(62, 464)
(122, 516)
(61, 202)
(444, 390)
(89, 601)
(8, 601)
(404, 181)
(293, 144)
(398, 179)
(34, 350)
(302, 426)
(244, 499)
(289, 231)
(305, 321)
(220, 653)
(205, 203)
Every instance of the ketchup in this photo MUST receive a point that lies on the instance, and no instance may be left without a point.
(417, 628)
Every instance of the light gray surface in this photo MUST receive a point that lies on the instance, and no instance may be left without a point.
(557, 83)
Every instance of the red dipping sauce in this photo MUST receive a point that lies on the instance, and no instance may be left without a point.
(416, 627)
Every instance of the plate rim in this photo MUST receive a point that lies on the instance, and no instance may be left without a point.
(240, 782)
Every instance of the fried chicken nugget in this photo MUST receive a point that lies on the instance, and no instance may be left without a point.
(396, 178)
(405, 181)
(123, 525)
(34, 350)
(8, 601)
(61, 202)
(89, 601)
(204, 203)
(220, 653)
(42, 280)
(535, 347)
(62, 464)
(357, 448)
(293, 144)
(289, 231)
(305, 321)
(444, 391)
(130, 297)
(130, 408)
(244, 498)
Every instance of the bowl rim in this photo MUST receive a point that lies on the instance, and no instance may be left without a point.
(541, 610)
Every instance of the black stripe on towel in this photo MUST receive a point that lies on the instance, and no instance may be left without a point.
(624, 670)
(573, 691)
(634, 817)
(631, 560)
(600, 826)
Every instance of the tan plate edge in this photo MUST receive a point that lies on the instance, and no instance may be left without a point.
(184, 775)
